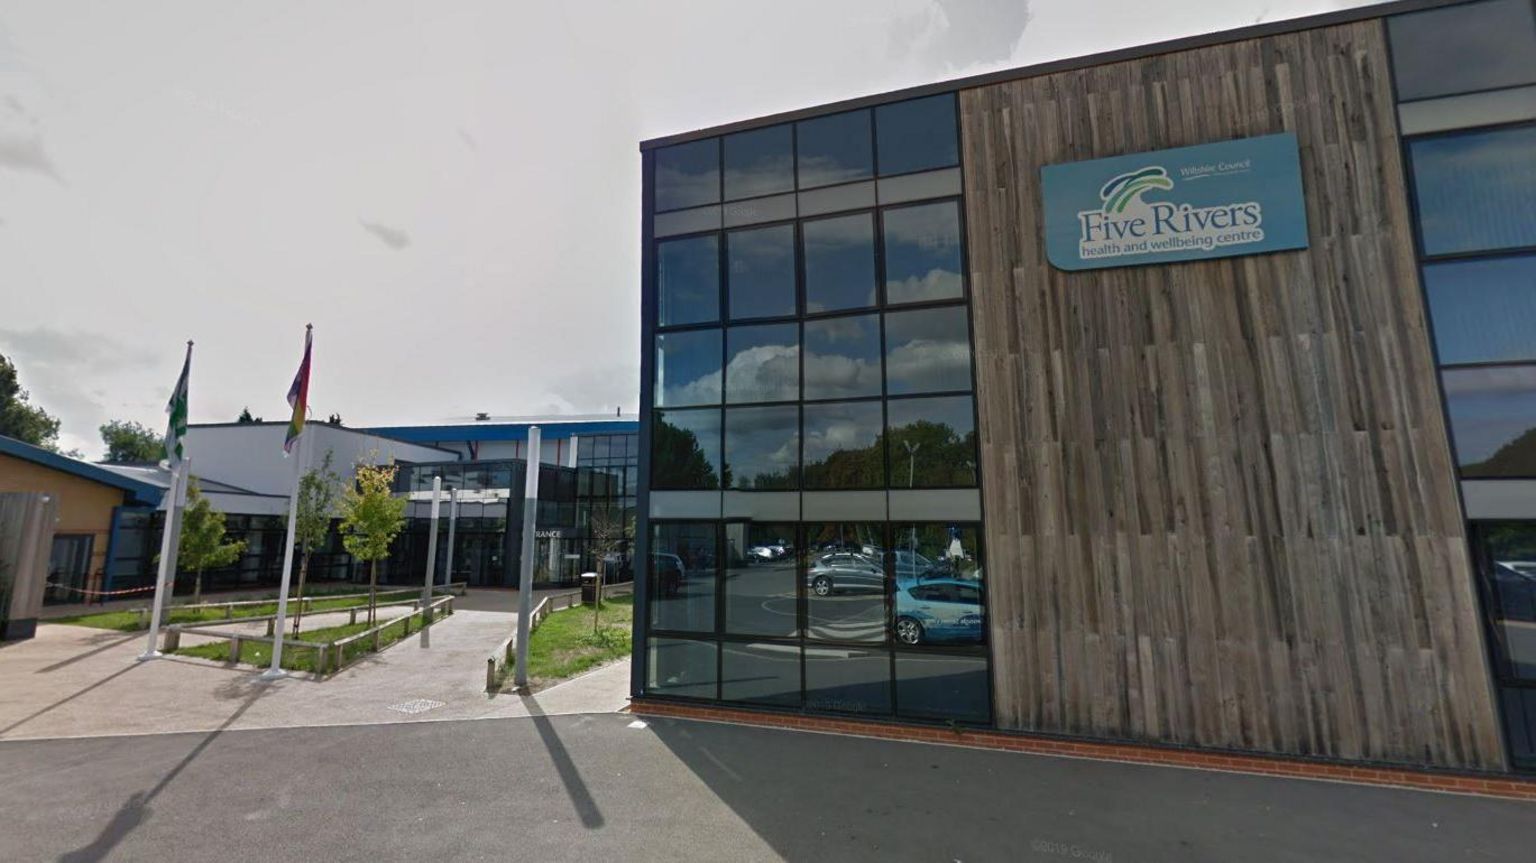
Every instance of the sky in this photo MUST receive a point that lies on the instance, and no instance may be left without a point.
(450, 193)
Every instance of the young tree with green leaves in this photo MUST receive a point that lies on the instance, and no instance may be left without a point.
(371, 518)
(21, 419)
(319, 489)
(202, 539)
(129, 442)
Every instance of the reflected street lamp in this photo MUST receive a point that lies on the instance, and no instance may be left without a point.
(912, 449)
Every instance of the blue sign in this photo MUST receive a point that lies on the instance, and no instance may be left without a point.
(1239, 197)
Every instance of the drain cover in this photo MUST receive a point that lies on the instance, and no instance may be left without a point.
(419, 705)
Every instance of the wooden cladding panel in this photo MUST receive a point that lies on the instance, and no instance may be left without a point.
(1220, 503)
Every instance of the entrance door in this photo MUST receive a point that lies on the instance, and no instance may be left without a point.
(69, 565)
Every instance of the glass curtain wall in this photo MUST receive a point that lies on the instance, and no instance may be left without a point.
(1466, 76)
(816, 338)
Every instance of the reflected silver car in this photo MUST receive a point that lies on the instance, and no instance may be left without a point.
(845, 572)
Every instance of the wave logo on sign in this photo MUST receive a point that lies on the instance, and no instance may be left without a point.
(1128, 225)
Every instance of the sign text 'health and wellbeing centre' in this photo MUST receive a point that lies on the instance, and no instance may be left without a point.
(1239, 197)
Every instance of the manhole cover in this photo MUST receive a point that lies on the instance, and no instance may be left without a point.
(419, 705)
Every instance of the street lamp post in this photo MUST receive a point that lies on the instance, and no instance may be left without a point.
(912, 449)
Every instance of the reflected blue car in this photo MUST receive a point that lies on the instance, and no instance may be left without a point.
(939, 611)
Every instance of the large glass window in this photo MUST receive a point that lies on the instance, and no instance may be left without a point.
(682, 668)
(927, 351)
(937, 686)
(1493, 419)
(922, 253)
(760, 673)
(1463, 48)
(1475, 190)
(847, 680)
(688, 368)
(761, 272)
(835, 149)
(839, 258)
(933, 442)
(762, 363)
(917, 135)
(688, 175)
(938, 584)
(682, 576)
(688, 280)
(760, 575)
(842, 357)
(759, 162)
(1506, 552)
(1483, 310)
(842, 446)
(845, 583)
(685, 449)
(762, 447)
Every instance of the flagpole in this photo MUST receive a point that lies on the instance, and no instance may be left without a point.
(276, 672)
(170, 532)
(167, 533)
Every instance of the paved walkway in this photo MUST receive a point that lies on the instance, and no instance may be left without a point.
(72, 681)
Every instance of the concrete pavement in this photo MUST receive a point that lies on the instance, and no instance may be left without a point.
(72, 681)
(594, 787)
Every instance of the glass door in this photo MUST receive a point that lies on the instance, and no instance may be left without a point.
(69, 565)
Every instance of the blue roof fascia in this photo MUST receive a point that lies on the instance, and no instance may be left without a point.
(142, 492)
(503, 431)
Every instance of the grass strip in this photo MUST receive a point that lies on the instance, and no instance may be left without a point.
(565, 645)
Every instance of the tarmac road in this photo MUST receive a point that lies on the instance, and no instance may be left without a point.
(591, 787)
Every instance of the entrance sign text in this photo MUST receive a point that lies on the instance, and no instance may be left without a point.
(1239, 197)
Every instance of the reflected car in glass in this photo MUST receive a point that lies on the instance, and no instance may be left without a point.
(845, 573)
(939, 612)
(669, 570)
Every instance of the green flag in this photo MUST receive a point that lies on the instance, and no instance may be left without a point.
(176, 408)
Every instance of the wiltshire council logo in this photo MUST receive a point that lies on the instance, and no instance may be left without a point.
(1126, 224)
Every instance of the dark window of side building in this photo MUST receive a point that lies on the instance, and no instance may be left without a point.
(1463, 48)
(762, 363)
(922, 253)
(688, 280)
(1493, 419)
(759, 162)
(682, 668)
(842, 446)
(835, 149)
(685, 449)
(762, 447)
(917, 135)
(839, 256)
(927, 351)
(684, 564)
(760, 673)
(1475, 190)
(932, 442)
(760, 272)
(845, 582)
(760, 593)
(688, 368)
(688, 175)
(842, 357)
(1484, 310)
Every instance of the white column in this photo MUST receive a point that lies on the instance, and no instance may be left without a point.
(276, 671)
(426, 587)
(168, 548)
(525, 579)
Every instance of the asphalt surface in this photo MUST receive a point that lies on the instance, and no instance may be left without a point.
(591, 787)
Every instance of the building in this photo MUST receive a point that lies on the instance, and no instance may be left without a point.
(91, 503)
(586, 464)
(1181, 395)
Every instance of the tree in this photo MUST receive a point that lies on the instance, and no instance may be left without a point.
(127, 441)
(21, 419)
(610, 533)
(318, 490)
(202, 538)
(371, 518)
(333, 419)
(245, 417)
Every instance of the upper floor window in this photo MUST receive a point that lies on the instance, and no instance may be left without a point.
(835, 149)
(688, 175)
(759, 162)
(1475, 190)
(1463, 48)
(917, 135)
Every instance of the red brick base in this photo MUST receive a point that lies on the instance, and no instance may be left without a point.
(1490, 785)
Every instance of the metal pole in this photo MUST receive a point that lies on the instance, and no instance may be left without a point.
(426, 587)
(276, 671)
(525, 578)
(167, 537)
(453, 522)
